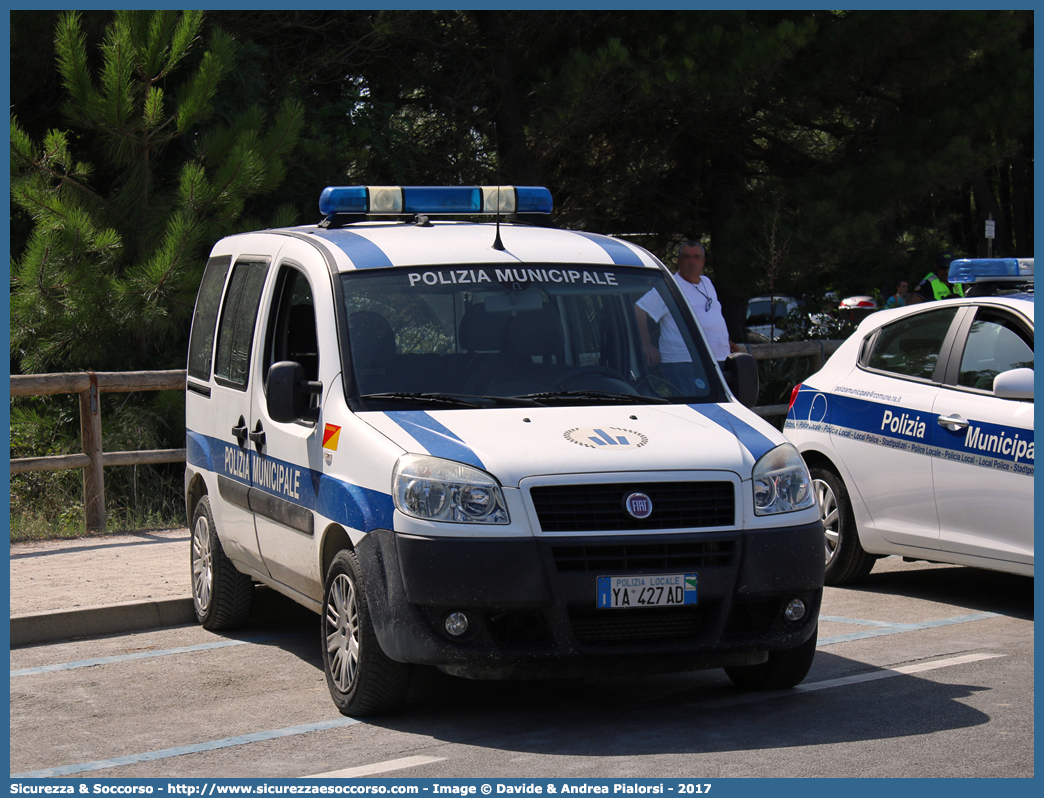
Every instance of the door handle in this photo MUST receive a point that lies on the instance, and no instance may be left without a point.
(953, 423)
(258, 436)
(240, 432)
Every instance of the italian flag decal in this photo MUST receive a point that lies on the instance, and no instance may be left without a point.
(330, 437)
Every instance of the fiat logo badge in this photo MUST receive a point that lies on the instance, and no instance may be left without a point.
(638, 505)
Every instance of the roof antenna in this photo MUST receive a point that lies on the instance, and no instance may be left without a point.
(497, 243)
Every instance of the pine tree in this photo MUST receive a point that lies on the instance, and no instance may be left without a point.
(125, 199)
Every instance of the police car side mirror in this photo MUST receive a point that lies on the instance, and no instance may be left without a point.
(289, 393)
(1014, 384)
(741, 375)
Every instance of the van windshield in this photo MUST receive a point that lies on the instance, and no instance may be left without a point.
(479, 336)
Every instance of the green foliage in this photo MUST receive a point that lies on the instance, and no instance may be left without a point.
(123, 200)
(109, 275)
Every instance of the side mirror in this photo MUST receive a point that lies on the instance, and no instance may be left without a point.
(1014, 384)
(290, 394)
(741, 375)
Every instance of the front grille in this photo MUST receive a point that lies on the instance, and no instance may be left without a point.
(593, 627)
(648, 557)
(600, 507)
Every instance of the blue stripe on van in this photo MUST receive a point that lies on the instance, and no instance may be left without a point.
(353, 506)
(197, 451)
(362, 252)
(434, 437)
(756, 442)
(621, 254)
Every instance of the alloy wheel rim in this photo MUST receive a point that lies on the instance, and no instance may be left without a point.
(202, 565)
(830, 517)
(342, 635)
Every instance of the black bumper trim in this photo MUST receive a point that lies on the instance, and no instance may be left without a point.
(528, 618)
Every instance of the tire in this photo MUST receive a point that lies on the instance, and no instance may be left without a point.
(221, 595)
(846, 561)
(362, 679)
(784, 669)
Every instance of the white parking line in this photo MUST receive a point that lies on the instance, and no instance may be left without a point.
(377, 767)
(869, 676)
(902, 670)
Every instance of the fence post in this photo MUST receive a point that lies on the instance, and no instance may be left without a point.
(93, 474)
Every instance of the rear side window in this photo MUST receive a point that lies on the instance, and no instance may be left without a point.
(238, 319)
(910, 347)
(204, 319)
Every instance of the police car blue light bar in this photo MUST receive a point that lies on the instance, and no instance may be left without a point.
(991, 270)
(435, 199)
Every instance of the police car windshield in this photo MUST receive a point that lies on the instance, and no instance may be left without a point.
(560, 332)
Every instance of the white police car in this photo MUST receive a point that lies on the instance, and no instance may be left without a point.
(442, 437)
(918, 431)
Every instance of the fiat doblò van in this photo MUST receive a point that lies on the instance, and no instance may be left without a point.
(443, 436)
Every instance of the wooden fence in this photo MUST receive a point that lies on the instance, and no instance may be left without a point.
(90, 385)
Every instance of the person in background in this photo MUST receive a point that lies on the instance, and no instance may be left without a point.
(934, 285)
(898, 299)
(671, 354)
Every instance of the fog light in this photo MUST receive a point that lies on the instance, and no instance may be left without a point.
(795, 610)
(456, 623)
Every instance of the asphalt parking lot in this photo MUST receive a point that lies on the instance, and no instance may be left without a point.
(924, 671)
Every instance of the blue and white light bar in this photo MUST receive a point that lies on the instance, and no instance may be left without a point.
(991, 270)
(434, 199)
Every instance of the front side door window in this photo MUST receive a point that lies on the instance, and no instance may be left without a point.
(983, 446)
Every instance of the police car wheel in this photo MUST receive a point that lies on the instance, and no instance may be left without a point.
(846, 561)
(221, 595)
(362, 679)
(783, 670)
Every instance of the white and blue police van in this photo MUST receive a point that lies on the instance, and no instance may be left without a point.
(919, 429)
(441, 435)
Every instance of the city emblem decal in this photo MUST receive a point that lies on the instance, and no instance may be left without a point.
(607, 438)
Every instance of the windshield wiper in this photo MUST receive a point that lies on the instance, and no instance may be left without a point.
(514, 401)
(607, 396)
(403, 396)
(462, 400)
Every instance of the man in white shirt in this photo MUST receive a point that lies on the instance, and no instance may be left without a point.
(671, 354)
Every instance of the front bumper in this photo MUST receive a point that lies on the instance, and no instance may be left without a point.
(531, 609)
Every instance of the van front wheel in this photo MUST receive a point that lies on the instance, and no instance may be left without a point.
(362, 679)
(784, 669)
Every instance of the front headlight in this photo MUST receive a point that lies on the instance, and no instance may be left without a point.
(443, 490)
(781, 482)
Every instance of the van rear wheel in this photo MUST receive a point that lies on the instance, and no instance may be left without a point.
(362, 679)
(221, 595)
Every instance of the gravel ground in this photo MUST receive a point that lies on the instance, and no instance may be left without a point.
(92, 571)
